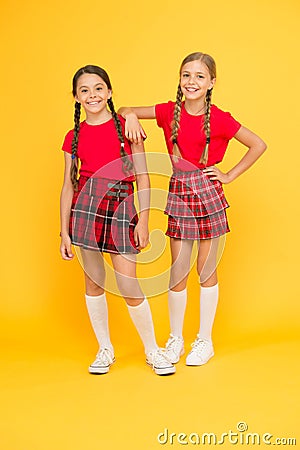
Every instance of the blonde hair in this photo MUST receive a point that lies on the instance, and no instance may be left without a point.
(211, 65)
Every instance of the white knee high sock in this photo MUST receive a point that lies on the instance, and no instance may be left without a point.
(208, 306)
(142, 318)
(97, 309)
(177, 305)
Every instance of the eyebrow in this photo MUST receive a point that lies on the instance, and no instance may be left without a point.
(97, 84)
(187, 71)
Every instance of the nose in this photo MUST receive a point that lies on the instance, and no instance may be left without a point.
(192, 78)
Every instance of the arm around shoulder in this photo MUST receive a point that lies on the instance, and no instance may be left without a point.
(133, 129)
(141, 112)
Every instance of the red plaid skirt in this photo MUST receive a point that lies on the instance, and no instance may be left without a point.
(196, 207)
(103, 216)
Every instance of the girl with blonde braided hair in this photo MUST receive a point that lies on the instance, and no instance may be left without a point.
(197, 134)
(98, 213)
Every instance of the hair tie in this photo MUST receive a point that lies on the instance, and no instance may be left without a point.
(208, 140)
(73, 156)
(123, 144)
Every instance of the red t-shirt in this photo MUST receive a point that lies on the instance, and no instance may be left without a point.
(99, 150)
(191, 136)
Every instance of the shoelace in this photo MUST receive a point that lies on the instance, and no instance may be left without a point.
(160, 358)
(104, 356)
(174, 342)
(199, 345)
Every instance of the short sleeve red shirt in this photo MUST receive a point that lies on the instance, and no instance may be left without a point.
(191, 136)
(99, 150)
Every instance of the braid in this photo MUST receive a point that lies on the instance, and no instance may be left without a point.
(74, 165)
(175, 123)
(127, 164)
(204, 156)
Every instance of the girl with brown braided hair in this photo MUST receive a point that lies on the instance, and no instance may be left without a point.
(197, 134)
(98, 213)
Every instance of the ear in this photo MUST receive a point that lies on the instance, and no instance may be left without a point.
(76, 98)
(109, 93)
(212, 83)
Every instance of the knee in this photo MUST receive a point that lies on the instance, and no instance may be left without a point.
(134, 301)
(129, 288)
(93, 288)
(208, 279)
(179, 275)
(206, 270)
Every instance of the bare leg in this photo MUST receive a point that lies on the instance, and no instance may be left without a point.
(181, 255)
(125, 270)
(94, 271)
(207, 262)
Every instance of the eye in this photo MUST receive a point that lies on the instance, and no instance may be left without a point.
(185, 75)
(200, 76)
(83, 91)
(99, 88)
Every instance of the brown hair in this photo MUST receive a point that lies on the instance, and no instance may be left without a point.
(211, 65)
(127, 164)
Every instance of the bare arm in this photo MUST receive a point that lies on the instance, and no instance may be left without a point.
(141, 233)
(65, 210)
(256, 147)
(133, 129)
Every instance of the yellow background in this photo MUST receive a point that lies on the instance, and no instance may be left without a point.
(49, 400)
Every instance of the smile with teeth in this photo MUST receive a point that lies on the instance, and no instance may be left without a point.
(190, 89)
(93, 103)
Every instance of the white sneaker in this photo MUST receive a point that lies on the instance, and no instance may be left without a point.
(104, 359)
(174, 348)
(160, 362)
(202, 351)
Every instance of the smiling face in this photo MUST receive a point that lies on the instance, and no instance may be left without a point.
(195, 80)
(92, 92)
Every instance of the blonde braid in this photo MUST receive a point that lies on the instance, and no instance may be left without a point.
(175, 124)
(74, 165)
(204, 156)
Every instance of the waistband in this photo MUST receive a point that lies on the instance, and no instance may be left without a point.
(105, 186)
(183, 172)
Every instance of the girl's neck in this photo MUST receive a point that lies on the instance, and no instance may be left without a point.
(195, 108)
(98, 118)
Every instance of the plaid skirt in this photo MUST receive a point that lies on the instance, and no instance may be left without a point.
(103, 216)
(196, 207)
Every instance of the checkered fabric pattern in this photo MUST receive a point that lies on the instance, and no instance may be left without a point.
(196, 207)
(103, 216)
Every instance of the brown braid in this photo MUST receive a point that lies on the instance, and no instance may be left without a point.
(74, 165)
(204, 156)
(175, 123)
(127, 164)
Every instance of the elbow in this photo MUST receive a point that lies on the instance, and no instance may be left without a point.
(262, 146)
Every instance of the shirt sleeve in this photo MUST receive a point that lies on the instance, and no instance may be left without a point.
(162, 113)
(67, 144)
(230, 125)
